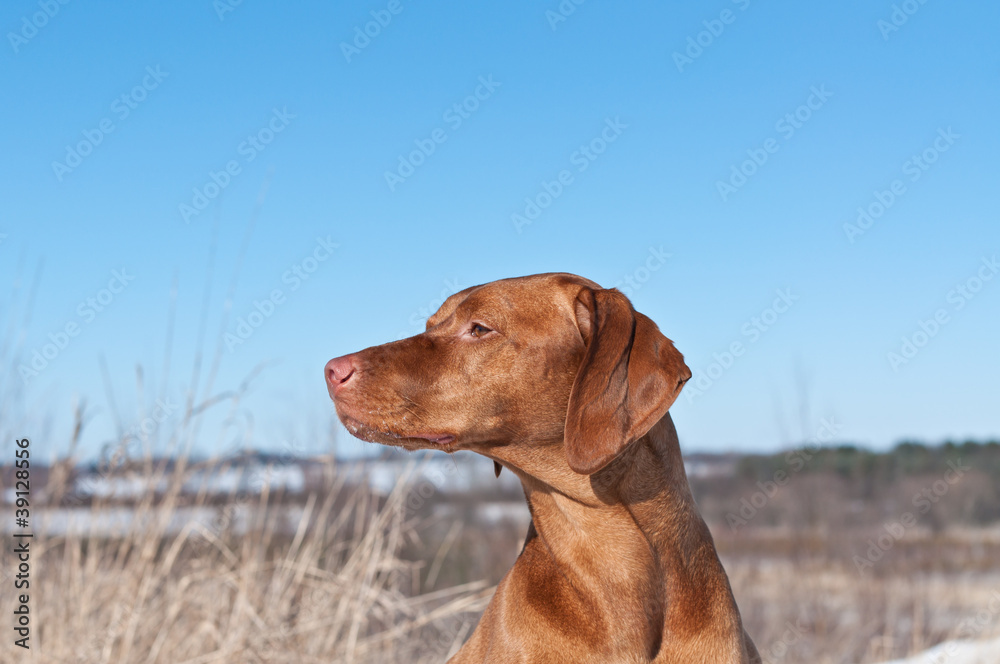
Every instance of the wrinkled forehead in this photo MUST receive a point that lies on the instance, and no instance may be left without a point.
(522, 299)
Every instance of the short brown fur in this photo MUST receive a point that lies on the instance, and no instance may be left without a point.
(566, 385)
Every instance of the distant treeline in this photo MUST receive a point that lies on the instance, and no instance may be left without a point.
(906, 459)
(950, 484)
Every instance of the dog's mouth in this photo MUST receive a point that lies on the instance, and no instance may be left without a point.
(388, 426)
(437, 439)
(410, 441)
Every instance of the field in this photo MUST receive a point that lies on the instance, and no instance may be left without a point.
(350, 574)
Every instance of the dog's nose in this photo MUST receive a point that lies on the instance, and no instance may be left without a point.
(338, 371)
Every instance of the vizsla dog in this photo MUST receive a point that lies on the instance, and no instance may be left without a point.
(565, 384)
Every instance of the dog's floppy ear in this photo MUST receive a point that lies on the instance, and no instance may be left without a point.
(629, 377)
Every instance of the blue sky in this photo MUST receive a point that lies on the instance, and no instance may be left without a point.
(713, 154)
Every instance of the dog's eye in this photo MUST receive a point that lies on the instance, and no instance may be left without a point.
(479, 330)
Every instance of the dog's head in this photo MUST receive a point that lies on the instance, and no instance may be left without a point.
(513, 369)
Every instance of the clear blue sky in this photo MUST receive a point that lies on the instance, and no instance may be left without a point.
(837, 102)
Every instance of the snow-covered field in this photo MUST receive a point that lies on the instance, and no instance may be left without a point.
(958, 652)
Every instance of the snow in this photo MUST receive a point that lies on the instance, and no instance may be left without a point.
(957, 652)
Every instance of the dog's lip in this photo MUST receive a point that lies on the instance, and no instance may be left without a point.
(359, 428)
(438, 438)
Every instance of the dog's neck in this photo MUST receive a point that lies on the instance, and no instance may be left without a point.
(630, 538)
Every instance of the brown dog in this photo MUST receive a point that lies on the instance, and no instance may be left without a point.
(565, 384)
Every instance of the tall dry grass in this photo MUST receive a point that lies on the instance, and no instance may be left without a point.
(340, 584)
(819, 610)
(334, 591)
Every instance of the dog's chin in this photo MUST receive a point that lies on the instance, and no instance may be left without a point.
(409, 441)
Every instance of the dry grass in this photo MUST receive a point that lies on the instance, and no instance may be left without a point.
(344, 585)
(336, 591)
(841, 618)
